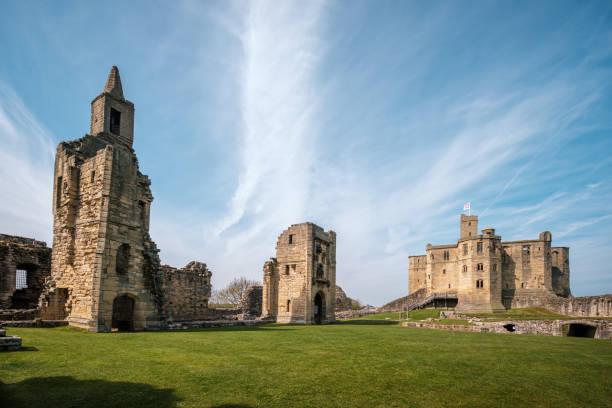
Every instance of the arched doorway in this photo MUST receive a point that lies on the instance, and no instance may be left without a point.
(581, 330)
(123, 313)
(319, 308)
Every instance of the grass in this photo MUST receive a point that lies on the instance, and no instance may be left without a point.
(343, 365)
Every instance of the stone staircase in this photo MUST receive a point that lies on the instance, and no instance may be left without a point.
(9, 343)
(415, 300)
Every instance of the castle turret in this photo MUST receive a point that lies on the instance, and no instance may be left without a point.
(469, 226)
(112, 116)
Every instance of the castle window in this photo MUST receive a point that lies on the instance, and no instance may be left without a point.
(464, 268)
(494, 267)
(286, 269)
(480, 267)
(479, 247)
(526, 251)
(123, 259)
(443, 271)
(428, 276)
(290, 239)
(21, 279)
(465, 249)
(449, 285)
(58, 192)
(93, 176)
(288, 305)
(115, 121)
(446, 255)
(522, 285)
(479, 284)
(319, 271)
(432, 256)
(469, 224)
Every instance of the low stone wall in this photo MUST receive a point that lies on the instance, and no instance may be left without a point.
(603, 328)
(585, 306)
(204, 324)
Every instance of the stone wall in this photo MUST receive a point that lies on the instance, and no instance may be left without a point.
(186, 291)
(600, 329)
(343, 302)
(251, 303)
(30, 257)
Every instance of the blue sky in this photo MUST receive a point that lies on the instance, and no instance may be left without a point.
(378, 120)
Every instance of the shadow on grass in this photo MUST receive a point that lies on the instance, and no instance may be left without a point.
(26, 349)
(232, 406)
(363, 322)
(70, 392)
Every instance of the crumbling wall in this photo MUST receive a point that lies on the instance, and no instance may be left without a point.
(24, 254)
(251, 302)
(186, 291)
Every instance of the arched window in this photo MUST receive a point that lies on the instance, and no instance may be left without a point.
(480, 267)
(479, 284)
(288, 305)
(464, 268)
(123, 259)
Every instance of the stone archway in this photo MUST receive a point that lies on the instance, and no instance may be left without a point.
(123, 313)
(581, 330)
(319, 308)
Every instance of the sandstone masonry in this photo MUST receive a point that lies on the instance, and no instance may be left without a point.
(105, 268)
(299, 284)
(489, 275)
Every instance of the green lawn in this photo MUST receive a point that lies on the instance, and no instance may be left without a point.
(354, 364)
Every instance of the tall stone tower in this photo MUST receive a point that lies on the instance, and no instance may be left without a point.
(104, 263)
(300, 283)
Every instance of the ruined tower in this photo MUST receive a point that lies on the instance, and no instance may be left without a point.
(300, 283)
(105, 269)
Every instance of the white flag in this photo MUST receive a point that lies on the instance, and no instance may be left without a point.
(466, 206)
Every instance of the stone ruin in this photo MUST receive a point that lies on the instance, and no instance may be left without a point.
(104, 272)
(300, 282)
(24, 265)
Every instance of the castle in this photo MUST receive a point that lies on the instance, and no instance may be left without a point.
(485, 274)
(300, 282)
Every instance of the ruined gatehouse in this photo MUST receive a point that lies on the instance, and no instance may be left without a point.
(105, 268)
(300, 282)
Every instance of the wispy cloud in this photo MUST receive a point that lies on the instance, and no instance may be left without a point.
(26, 170)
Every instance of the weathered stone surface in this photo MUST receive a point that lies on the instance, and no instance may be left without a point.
(299, 284)
(9, 343)
(491, 275)
(251, 302)
(105, 268)
(600, 329)
(343, 302)
(30, 257)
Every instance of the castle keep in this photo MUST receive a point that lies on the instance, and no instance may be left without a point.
(299, 285)
(105, 268)
(485, 274)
